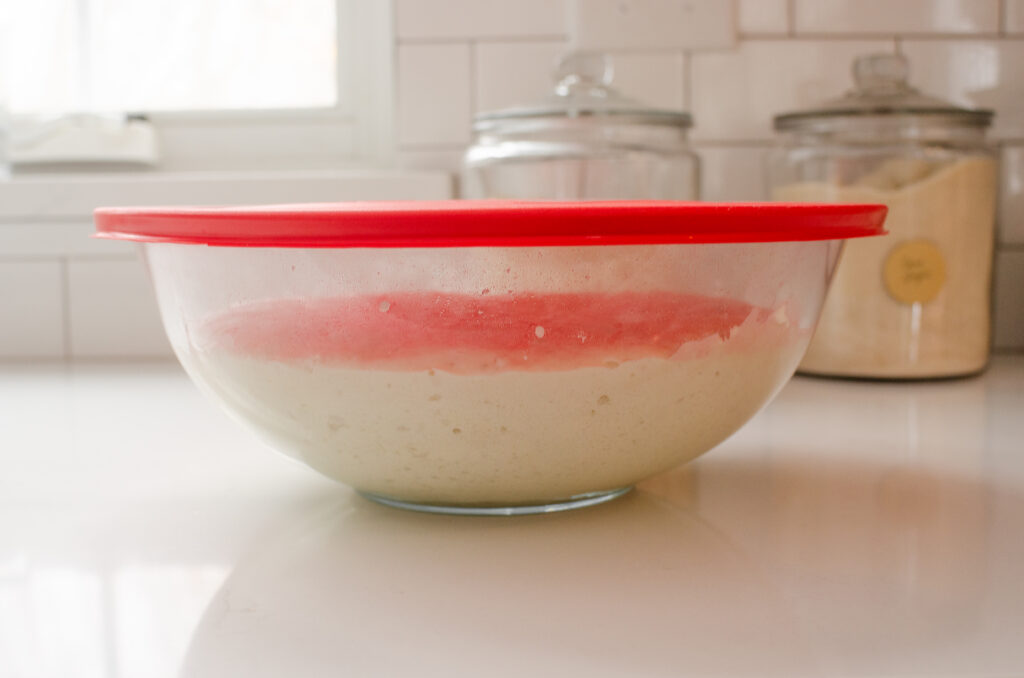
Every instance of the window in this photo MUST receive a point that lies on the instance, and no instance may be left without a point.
(227, 83)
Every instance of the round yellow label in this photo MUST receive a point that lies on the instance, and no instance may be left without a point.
(914, 272)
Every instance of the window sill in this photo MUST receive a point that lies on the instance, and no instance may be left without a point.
(50, 215)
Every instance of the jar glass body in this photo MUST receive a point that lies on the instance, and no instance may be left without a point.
(595, 157)
(914, 304)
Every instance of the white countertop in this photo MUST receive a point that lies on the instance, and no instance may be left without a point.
(851, 529)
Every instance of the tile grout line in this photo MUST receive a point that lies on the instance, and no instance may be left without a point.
(766, 142)
(57, 256)
(761, 35)
(850, 37)
(474, 56)
(789, 35)
(395, 74)
(16, 219)
(687, 80)
(457, 40)
(938, 35)
(877, 35)
(65, 298)
(431, 147)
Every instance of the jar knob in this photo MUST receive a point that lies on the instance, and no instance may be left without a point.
(590, 72)
(881, 73)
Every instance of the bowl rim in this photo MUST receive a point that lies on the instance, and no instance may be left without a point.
(489, 223)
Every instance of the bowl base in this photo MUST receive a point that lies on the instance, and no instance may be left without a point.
(574, 502)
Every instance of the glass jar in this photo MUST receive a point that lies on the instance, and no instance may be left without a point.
(586, 142)
(914, 304)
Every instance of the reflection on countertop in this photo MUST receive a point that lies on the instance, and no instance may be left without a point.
(726, 569)
(851, 529)
(617, 590)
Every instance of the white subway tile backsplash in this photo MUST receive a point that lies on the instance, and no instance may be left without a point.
(514, 73)
(112, 310)
(478, 19)
(1011, 196)
(31, 309)
(522, 73)
(651, 24)
(56, 240)
(652, 78)
(1013, 16)
(736, 93)
(896, 16)
(1009, 311)
(973, 73)
(733, 173)
(763, 17)
(447, 158)
(434, 101)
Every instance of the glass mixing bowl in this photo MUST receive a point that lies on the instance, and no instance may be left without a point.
(492, 357)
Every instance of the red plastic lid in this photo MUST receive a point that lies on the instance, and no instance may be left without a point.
(499, 223)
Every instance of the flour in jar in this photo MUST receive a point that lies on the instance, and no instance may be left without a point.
(916, 303)
(461, 399)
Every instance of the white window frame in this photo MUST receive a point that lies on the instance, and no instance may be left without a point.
(357, 131)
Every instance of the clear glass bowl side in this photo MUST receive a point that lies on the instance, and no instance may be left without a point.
(436, 435)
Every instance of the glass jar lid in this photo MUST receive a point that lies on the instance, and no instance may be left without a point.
(583, 89)
(881, 89)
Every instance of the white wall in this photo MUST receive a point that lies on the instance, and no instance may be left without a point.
(734, 66)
